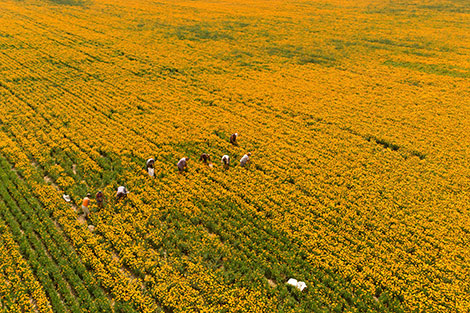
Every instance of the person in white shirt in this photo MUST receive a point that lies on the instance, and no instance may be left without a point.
(226, 161)
(150, 163)
(121, 193)
(182, 164)
(245, 159)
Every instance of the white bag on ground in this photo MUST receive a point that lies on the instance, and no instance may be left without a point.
(297, 284)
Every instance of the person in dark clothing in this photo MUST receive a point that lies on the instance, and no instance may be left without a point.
(205, 158)
(99, 199)
(233, 139)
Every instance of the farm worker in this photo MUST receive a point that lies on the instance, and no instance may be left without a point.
(150, 162)
(85, 204)
(150, 169)
(205, 158)
(99, 199)
(233, 139)
(182, 164)
(226, 161)
(244, 160)
(121, 192)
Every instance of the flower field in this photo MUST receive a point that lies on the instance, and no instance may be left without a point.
(357, 116)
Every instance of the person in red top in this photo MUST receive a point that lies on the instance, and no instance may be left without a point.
(85, 204)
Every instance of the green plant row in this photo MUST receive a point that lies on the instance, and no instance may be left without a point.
(62, 263)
